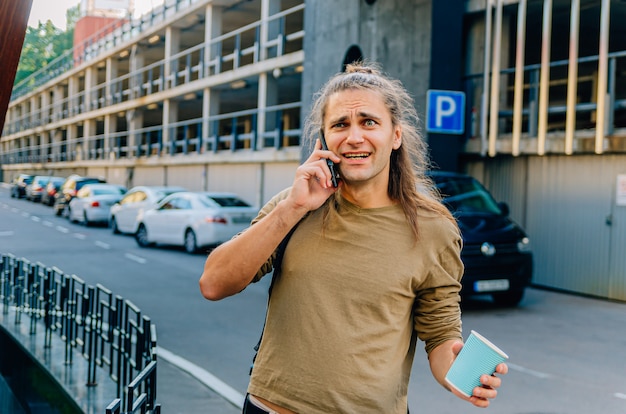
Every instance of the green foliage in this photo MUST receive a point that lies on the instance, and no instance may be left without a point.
(44, 43)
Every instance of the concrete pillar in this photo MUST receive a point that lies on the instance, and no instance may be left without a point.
(70, 142)
(112, 70)
(91, 78)
(210, 107)
(172, 47)
(134, 120)
(89, 139)
(59, 96)
(213, 28)
(267, 96)
(34, 110)
(72, 94)
(269, 30)
(136, 62)
(170, 116)
(110, 127)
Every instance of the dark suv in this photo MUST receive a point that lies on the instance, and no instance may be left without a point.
(496, 251)
(68, 190)
(18, 189)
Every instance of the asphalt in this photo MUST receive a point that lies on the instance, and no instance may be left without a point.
(179, 391)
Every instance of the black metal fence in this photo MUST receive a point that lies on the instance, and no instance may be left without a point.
(106, 330)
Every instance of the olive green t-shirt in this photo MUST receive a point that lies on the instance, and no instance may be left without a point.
(354, 290)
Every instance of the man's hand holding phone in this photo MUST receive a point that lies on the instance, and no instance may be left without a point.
(314, 183)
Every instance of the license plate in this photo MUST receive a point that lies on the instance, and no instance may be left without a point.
(491, 285)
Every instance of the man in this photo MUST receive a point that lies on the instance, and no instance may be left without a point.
(371, 265)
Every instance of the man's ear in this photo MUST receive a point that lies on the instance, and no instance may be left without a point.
(397, 137)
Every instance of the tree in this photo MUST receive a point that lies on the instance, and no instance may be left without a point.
(45, 43)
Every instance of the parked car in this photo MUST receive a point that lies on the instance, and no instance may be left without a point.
(53, 186)
(92, 203)
(18, 187)
(36, 188)
(68, 190)
(496, 251)
(137, 199)
(194, 220)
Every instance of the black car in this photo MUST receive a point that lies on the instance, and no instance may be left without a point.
(18, 189)
(496, 251)
(68, 190)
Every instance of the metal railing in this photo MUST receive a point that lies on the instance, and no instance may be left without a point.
(226, 132)
(106, 330)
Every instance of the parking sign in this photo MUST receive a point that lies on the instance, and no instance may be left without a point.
(446, 112)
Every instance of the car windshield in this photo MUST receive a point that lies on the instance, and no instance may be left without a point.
(466, 195)
(225, 201)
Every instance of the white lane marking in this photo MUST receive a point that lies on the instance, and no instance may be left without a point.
(62, 229)
(102, 244)
(134, 258)
(47, 223)
(35, 219)
(80, 236)
(620, 395)
(204, 376)
(7, 233)
(14, 210)
(25, 214)
(528, 371)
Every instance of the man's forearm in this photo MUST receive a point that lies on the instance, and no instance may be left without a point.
(232, 266)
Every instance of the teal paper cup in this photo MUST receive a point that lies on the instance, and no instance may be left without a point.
(477, 357)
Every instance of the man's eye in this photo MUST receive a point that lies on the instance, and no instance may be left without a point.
(370, 123)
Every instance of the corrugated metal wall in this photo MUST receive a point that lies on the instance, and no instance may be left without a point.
(568, 206)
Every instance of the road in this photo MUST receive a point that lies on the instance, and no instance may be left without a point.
(567, 353)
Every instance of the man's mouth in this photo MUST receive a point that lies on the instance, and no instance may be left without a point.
(357, 155)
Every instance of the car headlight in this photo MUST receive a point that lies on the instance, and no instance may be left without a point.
(523, 245)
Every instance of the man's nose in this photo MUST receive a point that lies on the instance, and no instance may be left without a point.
(355, 136)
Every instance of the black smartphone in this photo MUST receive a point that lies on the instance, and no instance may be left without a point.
(331, 165)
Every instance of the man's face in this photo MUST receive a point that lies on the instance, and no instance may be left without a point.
(358, 128)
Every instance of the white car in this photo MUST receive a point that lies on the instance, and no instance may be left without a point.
(92, 203)
(194, 220)
(137, 199)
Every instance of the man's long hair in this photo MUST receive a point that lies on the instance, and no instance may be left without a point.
(408, 184)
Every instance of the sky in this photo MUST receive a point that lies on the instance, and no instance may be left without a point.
(42, 10)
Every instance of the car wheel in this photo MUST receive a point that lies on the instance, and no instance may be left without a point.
(114, 227)
(508, 299)
(141, 236)
(58, 211)
(191, 245)
(12, 193)
(86, 219)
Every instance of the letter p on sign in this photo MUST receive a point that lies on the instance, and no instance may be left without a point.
(446, 112)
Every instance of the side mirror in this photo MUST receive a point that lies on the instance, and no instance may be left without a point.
(504, 207)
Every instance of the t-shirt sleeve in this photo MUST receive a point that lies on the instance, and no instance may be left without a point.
(437, 305)
(267, 208)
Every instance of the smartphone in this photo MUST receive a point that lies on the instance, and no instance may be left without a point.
(331, 165)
